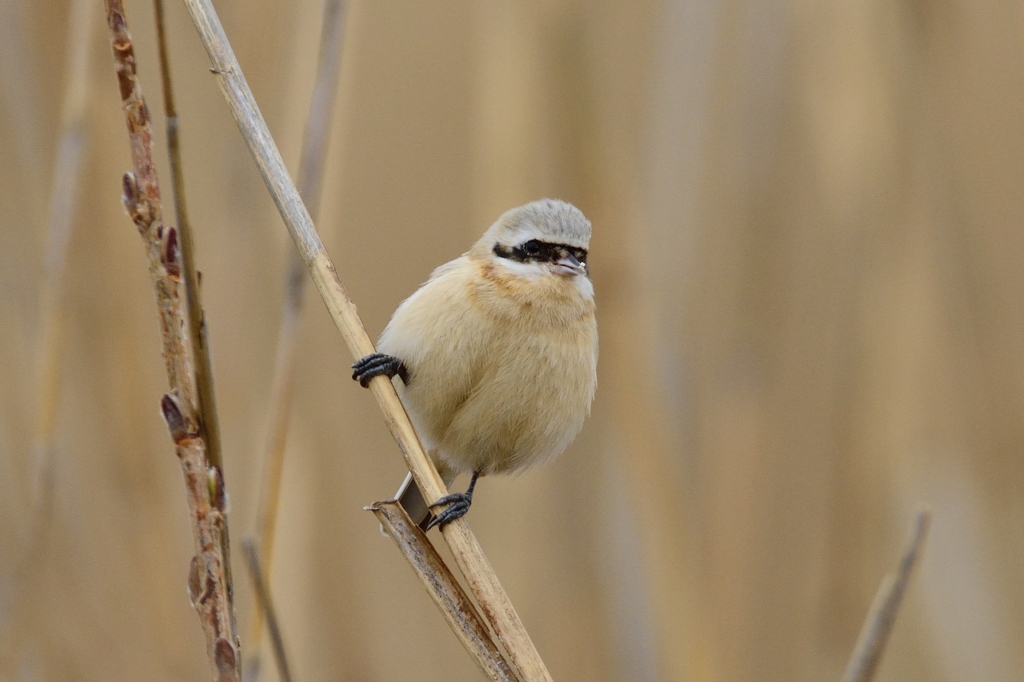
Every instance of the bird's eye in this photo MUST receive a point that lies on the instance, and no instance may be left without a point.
(532, 247)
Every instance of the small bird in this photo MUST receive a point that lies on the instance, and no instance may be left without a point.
(496, 352)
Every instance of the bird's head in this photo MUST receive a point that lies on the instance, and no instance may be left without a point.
(545, 237)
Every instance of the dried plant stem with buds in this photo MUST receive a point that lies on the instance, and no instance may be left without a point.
(483, 583)
(209, 425)
(207, 578)
(444, 589)
(206, 403)
(310, 183)
(877, 628)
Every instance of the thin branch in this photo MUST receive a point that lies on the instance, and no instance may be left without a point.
(311, 173)
(50, 340)
(321, 106)
(874, 634)
(489, 594)
(206, 404)
(208, 584)
(266, 606)
(444, 589)
(67, 175)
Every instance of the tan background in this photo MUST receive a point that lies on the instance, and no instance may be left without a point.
(808, 260)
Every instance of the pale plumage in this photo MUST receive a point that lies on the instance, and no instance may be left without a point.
(499, 346)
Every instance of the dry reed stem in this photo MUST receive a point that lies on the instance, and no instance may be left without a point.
(318, 124)
(50, 339)
(444, 589)
(265, 605)
(311, 172)
(63, 194)
(64, 187)
(874, 634)
(207, 580)
(206, 403)
(484, 584)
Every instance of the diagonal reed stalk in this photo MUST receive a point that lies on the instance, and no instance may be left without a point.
(444, 589)
(483, 583)
(208, 581)
(310, 183)
(878, 624)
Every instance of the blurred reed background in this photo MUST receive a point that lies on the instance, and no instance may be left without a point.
(807, 256)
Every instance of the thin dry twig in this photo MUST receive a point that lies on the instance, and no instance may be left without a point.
(877, 628)
(318, 123)
(311, 173)
(206, 403)
(50, 340)
(207, 580)
(493, 600)
(444, 589)
(266, 606)
(63, 194)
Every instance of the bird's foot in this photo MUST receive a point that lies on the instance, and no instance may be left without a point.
(376, 364)
(458, 505)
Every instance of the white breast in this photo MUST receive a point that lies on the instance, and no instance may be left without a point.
(494, 386)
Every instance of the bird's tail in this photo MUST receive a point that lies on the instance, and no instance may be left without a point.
(411, 498)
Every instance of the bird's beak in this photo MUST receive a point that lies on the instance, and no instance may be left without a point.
(570, 265)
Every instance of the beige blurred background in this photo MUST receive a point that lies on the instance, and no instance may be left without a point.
(808, 259)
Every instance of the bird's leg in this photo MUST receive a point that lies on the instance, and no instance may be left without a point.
(458, 505)
(376, 364)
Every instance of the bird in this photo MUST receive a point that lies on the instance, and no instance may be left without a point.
(496, 353)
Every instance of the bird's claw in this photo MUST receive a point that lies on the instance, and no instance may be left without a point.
(458, 505)
(375, 364)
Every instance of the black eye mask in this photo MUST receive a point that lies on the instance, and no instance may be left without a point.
(536, 251)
